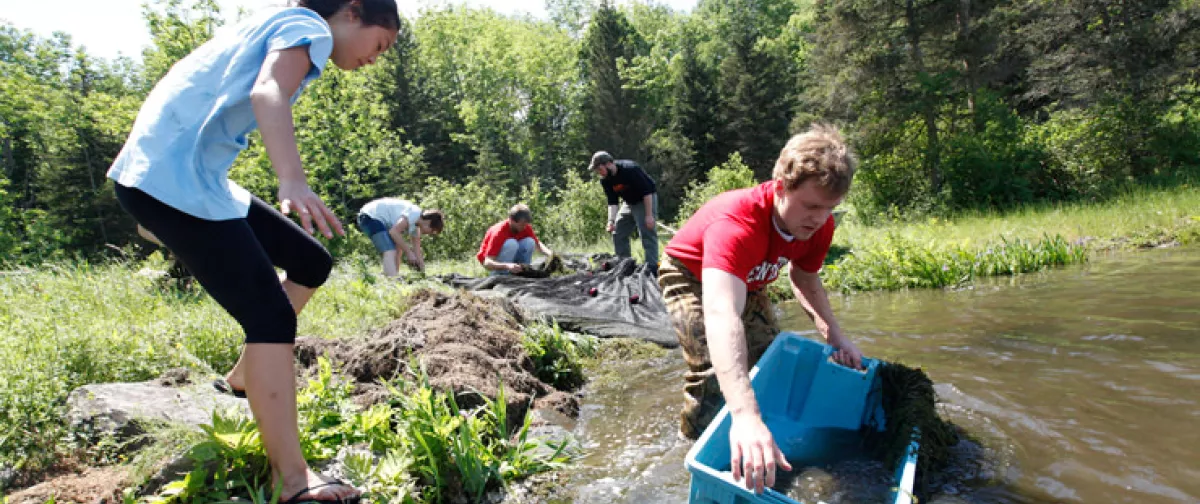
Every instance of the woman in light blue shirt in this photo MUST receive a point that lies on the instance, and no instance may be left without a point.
(172, 177)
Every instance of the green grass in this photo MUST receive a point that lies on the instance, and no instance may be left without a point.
(68, 326)
(902, 263)
(941, 252)
(63, 326)
(1127, 220)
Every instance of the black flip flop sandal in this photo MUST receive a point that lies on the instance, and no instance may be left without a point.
(312, 500)
(224, 387)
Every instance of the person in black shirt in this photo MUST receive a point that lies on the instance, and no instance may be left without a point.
(625, 179)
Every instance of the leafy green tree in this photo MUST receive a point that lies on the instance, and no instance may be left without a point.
(31, 73)
(176, 30)
(733, 174)
(756, 78)
(43, 59)
(951, 105)
(423, 104)
(1122, 56)
(655, 75)
(90, 129)
(499, 88)
(9, 230)
(650, 72)
(571, 16)
(905, 74)
(754, 111)
(24, 119)
(694, 113)
(56, 154)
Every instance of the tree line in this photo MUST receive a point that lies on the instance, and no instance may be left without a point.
(952, 105)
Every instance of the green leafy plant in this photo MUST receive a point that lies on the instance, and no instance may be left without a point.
(418, 447)
(898, 262)
(455, 450)
(557, 356)
(229, 463)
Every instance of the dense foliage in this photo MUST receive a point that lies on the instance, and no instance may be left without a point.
(953, 106)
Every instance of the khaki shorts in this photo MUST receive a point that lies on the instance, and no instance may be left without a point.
(681, 292)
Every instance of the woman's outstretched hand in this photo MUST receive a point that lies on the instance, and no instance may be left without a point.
(299, 198)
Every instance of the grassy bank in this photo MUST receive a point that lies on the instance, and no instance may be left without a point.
(948, 252)
(69, 326)
(941, 252)
(1137, 218)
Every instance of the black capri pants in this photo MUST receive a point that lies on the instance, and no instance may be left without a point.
(234, 259)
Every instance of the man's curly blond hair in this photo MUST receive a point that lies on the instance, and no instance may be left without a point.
(821, 154)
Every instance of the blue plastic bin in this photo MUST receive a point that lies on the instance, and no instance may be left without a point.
(812, 405)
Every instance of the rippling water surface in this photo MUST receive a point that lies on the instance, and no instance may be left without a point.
(1082, 385)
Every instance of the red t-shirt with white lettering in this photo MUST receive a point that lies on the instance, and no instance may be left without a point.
(734, 232)
(499, 233)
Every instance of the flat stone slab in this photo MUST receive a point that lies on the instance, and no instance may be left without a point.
(117, 408)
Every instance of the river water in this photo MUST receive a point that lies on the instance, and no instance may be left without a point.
(1079, 385)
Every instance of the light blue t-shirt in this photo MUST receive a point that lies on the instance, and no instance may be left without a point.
(391, 210)
(195, 121)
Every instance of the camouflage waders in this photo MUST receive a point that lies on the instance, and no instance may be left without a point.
(681, 292)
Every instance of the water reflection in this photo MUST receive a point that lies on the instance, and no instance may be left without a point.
(1081, 384)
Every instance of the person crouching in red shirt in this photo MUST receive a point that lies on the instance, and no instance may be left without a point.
(713, 278)
(508, 245)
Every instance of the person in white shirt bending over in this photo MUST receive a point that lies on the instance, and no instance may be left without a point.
(393, 223)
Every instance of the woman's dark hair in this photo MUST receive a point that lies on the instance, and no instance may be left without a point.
(371, 12)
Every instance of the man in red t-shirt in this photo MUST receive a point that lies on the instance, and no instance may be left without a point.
(508, 245)
(713, 278)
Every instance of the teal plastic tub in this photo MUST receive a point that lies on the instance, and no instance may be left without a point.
(816, 410)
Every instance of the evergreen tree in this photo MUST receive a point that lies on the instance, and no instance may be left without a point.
(613, 116)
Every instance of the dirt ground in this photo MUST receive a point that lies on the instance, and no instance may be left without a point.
(97, 485)
(465, 344)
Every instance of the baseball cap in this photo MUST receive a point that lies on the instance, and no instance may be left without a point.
(600, 158)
